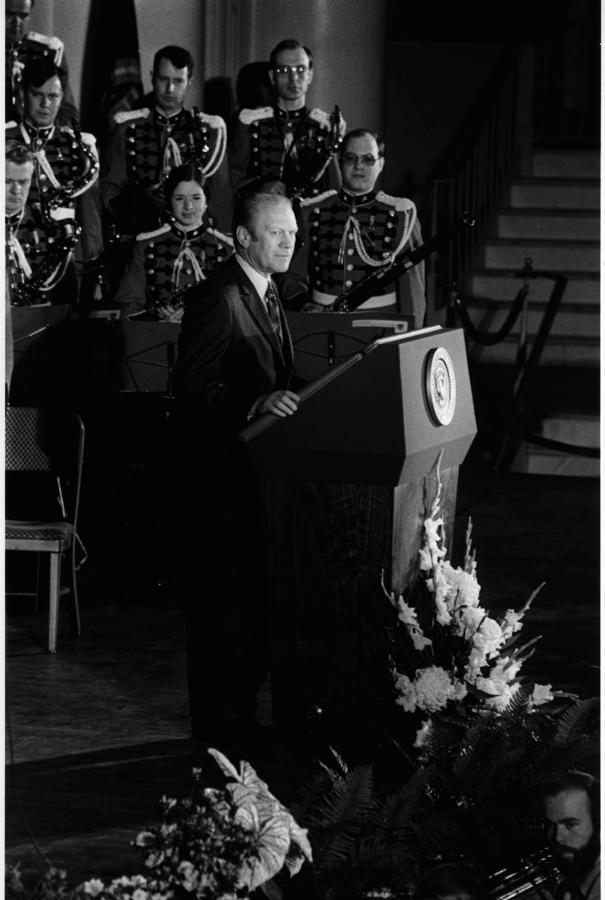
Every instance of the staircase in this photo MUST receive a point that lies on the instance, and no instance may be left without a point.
(553, 218)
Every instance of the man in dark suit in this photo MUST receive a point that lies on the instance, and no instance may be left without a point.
(234, 363)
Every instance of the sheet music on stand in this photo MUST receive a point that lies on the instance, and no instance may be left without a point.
(322, 340)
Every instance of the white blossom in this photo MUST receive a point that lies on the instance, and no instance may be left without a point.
(188, 875)
(431, 689)
(542, 693)
(464, 589)
(500, 683)
(422, 733)
(407, 693)
(408, 617)
(501, 701)
(440, 589)
(511, 623)
(485, 636)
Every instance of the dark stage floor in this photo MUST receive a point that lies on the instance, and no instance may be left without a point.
(97, 733)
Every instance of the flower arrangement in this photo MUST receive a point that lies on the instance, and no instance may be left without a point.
(459, 652)
(216, 844)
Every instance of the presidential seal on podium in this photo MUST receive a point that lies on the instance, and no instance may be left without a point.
(440, 386)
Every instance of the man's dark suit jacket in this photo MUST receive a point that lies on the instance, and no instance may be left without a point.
(228, 353)
(228, 357)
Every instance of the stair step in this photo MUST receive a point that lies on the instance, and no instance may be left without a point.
(569, 428)
(580, 321)
(535, 460)
(555, 193)
(548, 223)
(566, 164)
(559, 256)
(500, 284)
(566, 351)
(552, 218)
(573, 428)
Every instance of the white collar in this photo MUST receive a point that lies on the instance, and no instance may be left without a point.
(260, 281)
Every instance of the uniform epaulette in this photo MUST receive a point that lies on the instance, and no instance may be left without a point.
(129, 115)
(62, 214)
(88, 139)
(248, 116)
(85, 136)
(225, 238)
(401, 204)
(147, 235)
(324, 119)
(9, 125)
(50, 40)
(308, 201)
(213, 121)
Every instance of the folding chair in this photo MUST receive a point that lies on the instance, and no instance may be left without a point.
(47, 448)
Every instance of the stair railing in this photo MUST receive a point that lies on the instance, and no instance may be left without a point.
(511, 426)
(471, 174)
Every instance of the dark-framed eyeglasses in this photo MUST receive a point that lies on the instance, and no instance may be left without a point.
(294, 70)
(366, 160)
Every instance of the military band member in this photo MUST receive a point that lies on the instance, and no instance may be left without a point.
(287, 141)
(21, 47)
(181, 253)
(66, 163)
(40, 273)
(145, 144)
(352, 232)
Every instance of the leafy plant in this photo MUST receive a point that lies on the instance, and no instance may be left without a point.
(215, 844)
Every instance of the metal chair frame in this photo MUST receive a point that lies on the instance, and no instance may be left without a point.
(25, 452)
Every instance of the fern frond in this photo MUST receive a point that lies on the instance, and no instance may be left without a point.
(337, 817)
(579, 720)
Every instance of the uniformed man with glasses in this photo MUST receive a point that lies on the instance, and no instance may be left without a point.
(353, 231)
(287, 141)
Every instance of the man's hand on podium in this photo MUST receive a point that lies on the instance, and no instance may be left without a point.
(280, 403)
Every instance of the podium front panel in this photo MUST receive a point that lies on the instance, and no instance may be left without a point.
(368, 419)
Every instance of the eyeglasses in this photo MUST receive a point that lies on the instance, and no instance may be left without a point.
(367, 160)
(294, 70)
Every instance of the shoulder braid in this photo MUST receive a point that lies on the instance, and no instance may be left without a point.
(248, 116)
(401, 204)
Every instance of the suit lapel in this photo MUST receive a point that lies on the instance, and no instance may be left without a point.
(257, 309)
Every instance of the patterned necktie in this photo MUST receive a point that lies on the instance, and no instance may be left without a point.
(273, 310)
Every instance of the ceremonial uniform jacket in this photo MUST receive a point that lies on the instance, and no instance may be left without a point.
(295, 146)
(65, 173)
(40, 267)
(17, 56)
(165, 263)
(142, 148)
(348, 237)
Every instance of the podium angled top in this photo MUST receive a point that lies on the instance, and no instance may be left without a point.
(381, 416)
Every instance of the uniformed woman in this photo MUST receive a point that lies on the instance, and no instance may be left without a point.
(182, 252)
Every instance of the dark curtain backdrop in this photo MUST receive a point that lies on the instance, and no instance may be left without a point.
(111, 72)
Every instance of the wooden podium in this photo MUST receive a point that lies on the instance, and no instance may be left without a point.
(346, 477)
